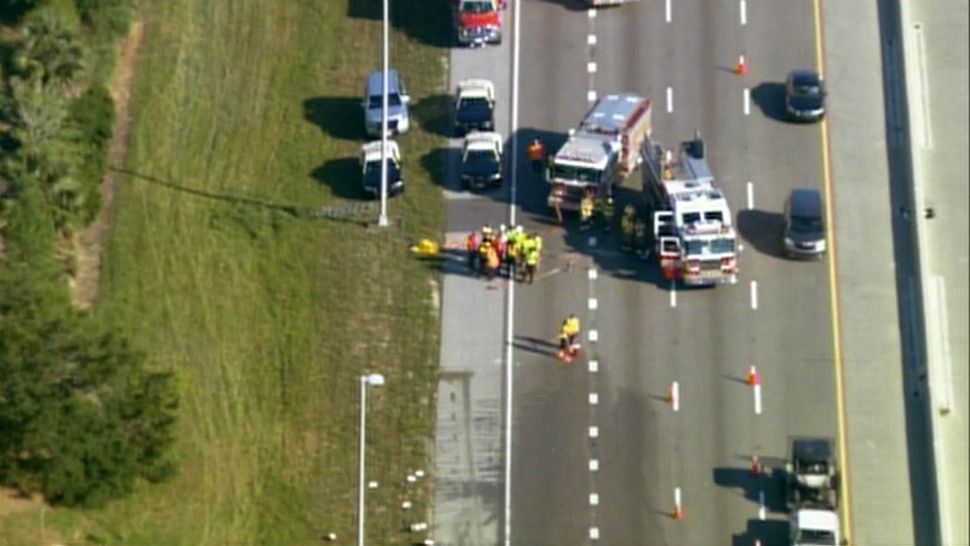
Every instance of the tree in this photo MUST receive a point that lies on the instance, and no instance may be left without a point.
(50, 50)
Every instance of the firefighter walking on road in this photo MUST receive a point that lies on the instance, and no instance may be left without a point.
(586, 210)
(471, 245)
(604, 213)
(627, 225)
(569, 338)
(536, 152)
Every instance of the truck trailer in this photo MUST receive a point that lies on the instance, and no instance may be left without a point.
(601, 152)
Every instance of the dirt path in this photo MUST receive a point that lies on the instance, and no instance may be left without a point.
(88, 242)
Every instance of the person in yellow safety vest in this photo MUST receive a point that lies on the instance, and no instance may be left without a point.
(565, 354)
(531, 263)
(492, 261)
(512, 249)
(627, 222)
(586, 210)
(483, 250)
(536, 151)
(604, 210)
(568, 334)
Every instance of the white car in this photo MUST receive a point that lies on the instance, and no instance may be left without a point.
(370, 166)
(481, 161)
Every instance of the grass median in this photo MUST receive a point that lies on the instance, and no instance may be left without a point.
(245, 115)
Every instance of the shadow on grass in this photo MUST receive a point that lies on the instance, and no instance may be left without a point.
(336, 213)
(436, 163)
(435, 114)
(339, 117)
(763, 230)
(428, 22)
(770, 98)
(343, 177)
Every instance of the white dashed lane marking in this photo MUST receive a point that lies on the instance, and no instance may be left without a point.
(594, 335)
(591, 96)
(594, 465)
(754, 295)
(750, 195)
(594, 399)
(667, 12)
(744, 12)
(594, 431)
(594, 499)
(747, 101)
(670, 100)
(591, 67)
(591, 39)
(594, 366)
(592, 274)
(593, 304)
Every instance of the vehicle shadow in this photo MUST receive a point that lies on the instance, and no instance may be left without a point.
(339, 117)
(343, 176)
(437, 163)
(572, 5)
(435, 114)
(763, 230)
(411, 18)
(770, 98)
(768, 532)
(771, 484)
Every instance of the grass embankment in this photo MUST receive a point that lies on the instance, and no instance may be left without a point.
(269, 318)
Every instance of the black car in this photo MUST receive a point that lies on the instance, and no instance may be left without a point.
(481, 161)
(475, 106)
(805, 95)
(474, 113)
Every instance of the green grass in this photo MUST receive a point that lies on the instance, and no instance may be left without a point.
(269, 318)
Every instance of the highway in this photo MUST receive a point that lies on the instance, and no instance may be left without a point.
(618, 487)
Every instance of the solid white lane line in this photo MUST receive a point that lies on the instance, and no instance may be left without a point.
(593, 303)
(592, 274)
(594, 431)
(754, 294)
(744, 12)
(670, 100)
(594, 499)
(594, 366)
(510, 293)
(757, 399)
(594, 399)
(747, 101)
(591, 39)
(594, 465)
(591, 96)
(594, 335)
(673, 294)
(750, 195)
(667, 13)
(591, 67)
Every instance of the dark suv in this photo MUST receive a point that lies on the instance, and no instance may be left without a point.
(804, 235)
(805, 95)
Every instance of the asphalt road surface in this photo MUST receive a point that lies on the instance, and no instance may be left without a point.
(597, 455)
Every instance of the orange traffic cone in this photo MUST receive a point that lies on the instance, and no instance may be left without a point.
(755, 466)
(741, 68)
(678, 512)
(753, 377)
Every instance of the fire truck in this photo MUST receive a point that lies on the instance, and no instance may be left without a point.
(601, 152)
(693, 232)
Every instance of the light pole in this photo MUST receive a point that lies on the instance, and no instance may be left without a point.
(372, 380)
(382, 219)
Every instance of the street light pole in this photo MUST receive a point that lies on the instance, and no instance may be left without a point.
(376, 380)
(382, 219)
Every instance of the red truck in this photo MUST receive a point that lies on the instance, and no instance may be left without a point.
(479, 22)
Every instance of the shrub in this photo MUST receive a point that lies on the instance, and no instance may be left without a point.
(110, 16)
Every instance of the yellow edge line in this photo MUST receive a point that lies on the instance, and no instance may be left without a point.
(833, 295)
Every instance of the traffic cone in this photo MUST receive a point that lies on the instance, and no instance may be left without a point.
(753, 377)
(741, 68)
(670, 394)
(678, 512)
(755, 466)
